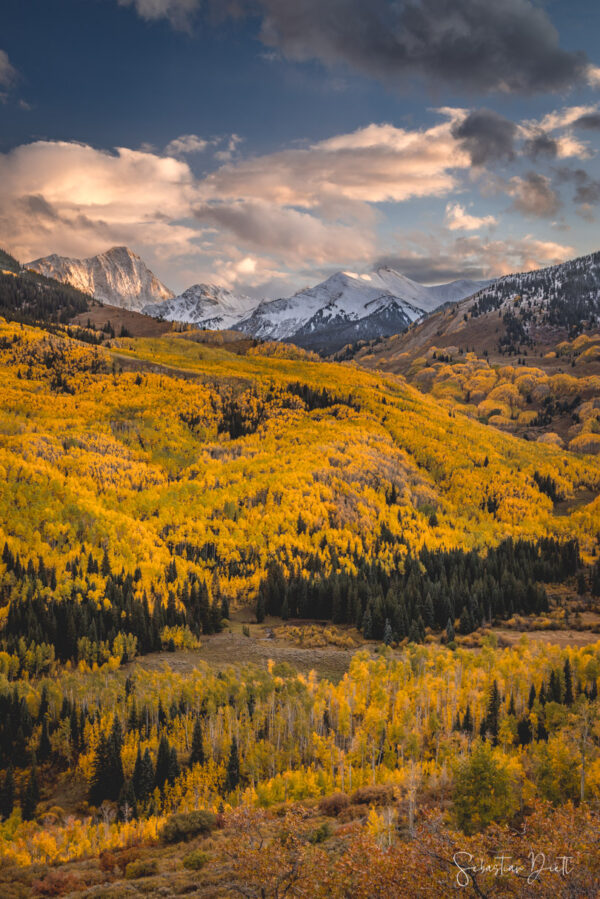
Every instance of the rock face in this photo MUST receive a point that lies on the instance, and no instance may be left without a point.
(205, 306)
(118, 277)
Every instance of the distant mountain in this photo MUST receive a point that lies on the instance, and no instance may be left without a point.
(349, 307)
(205, 306)
(560, 296)
(527, 314)
(118, 277)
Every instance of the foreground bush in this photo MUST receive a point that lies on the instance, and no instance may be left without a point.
(143, 867)
(195, 860)
(185, 826)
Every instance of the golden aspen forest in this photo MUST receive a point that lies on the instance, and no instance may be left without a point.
(273, 625)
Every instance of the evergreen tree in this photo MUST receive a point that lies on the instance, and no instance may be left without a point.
(260, 608)
(173, 770)
(197, 751)
(450, 635)
(163, 762)
(127, 803)
(568, 683)
(387, 632)
(7, 793)
(31, 794)
(232, 778)
(44, 747)
(492, 715)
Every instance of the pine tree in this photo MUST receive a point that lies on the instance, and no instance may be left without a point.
(450, 635)
(568, 683)
(173, 770)
(163, 760)
(387, 632)
(197, 751)
(492, 716)
(232, 778)
(44, 747)
(7, 793)
(260, 608)
(31, 794)
(127, 803)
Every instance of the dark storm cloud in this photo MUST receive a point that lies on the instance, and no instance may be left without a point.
(587, 190)
(540, 145)
(479, 45)
(436, 269)
(590, 121)
(486, 136)
(534, 195)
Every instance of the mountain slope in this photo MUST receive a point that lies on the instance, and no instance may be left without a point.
(348, 307)
(527, 314)
(205, 306)
(118, 277)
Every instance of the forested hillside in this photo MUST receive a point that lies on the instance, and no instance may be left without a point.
(157, 490)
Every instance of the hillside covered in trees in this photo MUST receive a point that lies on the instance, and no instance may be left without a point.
(157, 490)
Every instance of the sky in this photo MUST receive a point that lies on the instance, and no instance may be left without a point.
(264, 144)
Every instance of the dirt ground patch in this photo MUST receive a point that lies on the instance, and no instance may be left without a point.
(560, 638)
(232, 648)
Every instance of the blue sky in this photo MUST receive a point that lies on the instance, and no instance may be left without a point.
(266, 143)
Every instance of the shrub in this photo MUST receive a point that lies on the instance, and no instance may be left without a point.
(378, 794)
(184, 826)
(143, 867)
(322, 833)
(195, 860)
(57, 883)
(334, 804)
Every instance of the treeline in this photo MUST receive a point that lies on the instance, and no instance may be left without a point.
(79, 628)
(30, 740)
(29, 298)
(434, 589)
(244, 414)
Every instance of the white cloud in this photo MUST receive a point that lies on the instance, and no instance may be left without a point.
(8, 75)
(567, 144)
(376, 164)
(593, 75)
(458, 219)
(72, 199)
(186, 144)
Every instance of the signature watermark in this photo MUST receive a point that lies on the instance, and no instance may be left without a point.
(506, 866)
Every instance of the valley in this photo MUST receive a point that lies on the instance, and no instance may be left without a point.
(244, 586)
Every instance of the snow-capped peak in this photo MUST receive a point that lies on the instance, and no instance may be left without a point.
(205, 306)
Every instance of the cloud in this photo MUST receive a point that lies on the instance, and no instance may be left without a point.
(232, 144)
(8, 75)
(587, 189)
(179, 12)
(75, 200)
(486, 136)
(293, 235)
(458, 219)
(560, 120)
(593, 75)
(483, 47)
(186, 144)
(533, 195)
(432, 259)
(540, 145)
(376, 164)
(590, 120)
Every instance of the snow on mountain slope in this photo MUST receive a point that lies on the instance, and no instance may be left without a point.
(358, 306)
(118, 277)
(205, 306)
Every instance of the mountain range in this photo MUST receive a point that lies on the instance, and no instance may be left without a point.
(344, 308)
